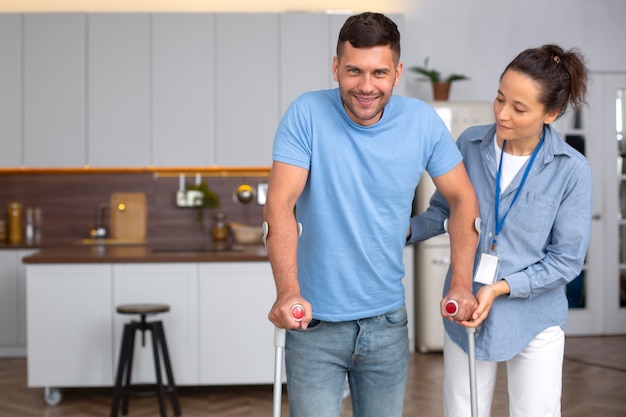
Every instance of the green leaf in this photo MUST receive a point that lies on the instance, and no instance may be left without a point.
(434, 75)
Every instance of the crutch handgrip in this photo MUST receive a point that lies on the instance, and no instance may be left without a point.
(297, 312)
(452, 308)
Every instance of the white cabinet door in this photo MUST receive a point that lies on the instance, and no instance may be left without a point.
(10, 85)
(305, 55)
(69, 325)
(236, 338)
(21, 297)
(8, 300)
(13, 303)
(183, 89)
(247, 75)
(174, 284)
(119, 89)
(54, 89)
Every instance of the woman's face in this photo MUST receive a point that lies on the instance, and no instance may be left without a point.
(519, 114)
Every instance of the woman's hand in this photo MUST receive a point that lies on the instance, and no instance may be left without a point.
(485, 297)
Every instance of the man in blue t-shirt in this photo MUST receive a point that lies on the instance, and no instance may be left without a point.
(348, 161)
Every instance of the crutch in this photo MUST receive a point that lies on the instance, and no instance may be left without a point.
(452, 308)
(297, 312)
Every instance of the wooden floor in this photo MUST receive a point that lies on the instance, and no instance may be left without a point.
(594, 385)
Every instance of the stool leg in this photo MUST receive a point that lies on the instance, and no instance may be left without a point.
(134, 326)
(121, 369)
(157, 367)
(168, 369)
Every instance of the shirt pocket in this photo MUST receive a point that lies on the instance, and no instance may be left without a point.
(534, 212)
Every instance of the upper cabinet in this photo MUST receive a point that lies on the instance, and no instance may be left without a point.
(306, 61)
(119, 90)
(54, 90)
(247, 112)
(183, 89)
(155, 89)
(10, 88)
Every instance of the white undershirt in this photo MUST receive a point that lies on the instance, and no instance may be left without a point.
(511, 164)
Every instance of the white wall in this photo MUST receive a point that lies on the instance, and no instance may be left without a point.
(479, 37)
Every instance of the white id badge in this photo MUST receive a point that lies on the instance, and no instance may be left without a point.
(487, 269)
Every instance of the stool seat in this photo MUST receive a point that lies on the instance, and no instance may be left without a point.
(142, 308)
(123, 386)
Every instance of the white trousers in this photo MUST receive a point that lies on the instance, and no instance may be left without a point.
(534, 379)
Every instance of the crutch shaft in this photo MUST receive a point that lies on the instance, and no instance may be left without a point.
(471, 357)
(279, 346)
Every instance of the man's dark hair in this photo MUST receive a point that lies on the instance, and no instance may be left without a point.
(367, 30)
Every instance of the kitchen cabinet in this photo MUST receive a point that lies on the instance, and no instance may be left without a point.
(217, 329)
(247, 112)
(69, 325)
(174, 284)
(54, 116)
(235, 334)
(118, 63)
(183, 89)
(13, 302)
(10, 85)
(305, 61)
(156, 89)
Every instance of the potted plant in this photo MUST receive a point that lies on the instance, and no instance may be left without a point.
(441, 86)
(209, 199)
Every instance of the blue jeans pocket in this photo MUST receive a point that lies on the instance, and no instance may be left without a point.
(397, 318)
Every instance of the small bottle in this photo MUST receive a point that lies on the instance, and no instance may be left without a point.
(30, 226)
(219, 231)
(15, 223)
(3, 230)
(38, 223)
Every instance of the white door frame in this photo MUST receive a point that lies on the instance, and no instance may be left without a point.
(602, 314)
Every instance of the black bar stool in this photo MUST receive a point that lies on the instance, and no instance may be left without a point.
(123, 387)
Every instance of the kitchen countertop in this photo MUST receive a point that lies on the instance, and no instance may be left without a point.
(79, 254)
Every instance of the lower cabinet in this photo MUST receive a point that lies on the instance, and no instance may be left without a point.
(217, 329)
(174, 284)
(236, 338)
(13, 302)
(69, 325)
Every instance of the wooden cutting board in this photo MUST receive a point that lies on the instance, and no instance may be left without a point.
(129, 216)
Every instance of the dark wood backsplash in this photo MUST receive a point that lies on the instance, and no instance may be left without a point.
(70, 202)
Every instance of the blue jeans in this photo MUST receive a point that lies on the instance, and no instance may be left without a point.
(373, 353)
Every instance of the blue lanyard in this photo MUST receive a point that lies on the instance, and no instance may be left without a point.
(500, 223)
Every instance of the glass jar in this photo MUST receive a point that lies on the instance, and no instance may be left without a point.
(15, 223)
(219, 230)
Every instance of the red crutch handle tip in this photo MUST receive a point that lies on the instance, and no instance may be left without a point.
(297, 312)
(452, 308)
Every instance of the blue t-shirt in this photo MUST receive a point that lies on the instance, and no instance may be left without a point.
(356, 205)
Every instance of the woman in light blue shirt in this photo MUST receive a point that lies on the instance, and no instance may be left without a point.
(535, 195)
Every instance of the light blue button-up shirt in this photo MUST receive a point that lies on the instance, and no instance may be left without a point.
(541, 246)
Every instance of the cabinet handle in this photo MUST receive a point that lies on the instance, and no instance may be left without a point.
(441, 260)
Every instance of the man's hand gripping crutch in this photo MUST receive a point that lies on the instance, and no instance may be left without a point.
(297, 313)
